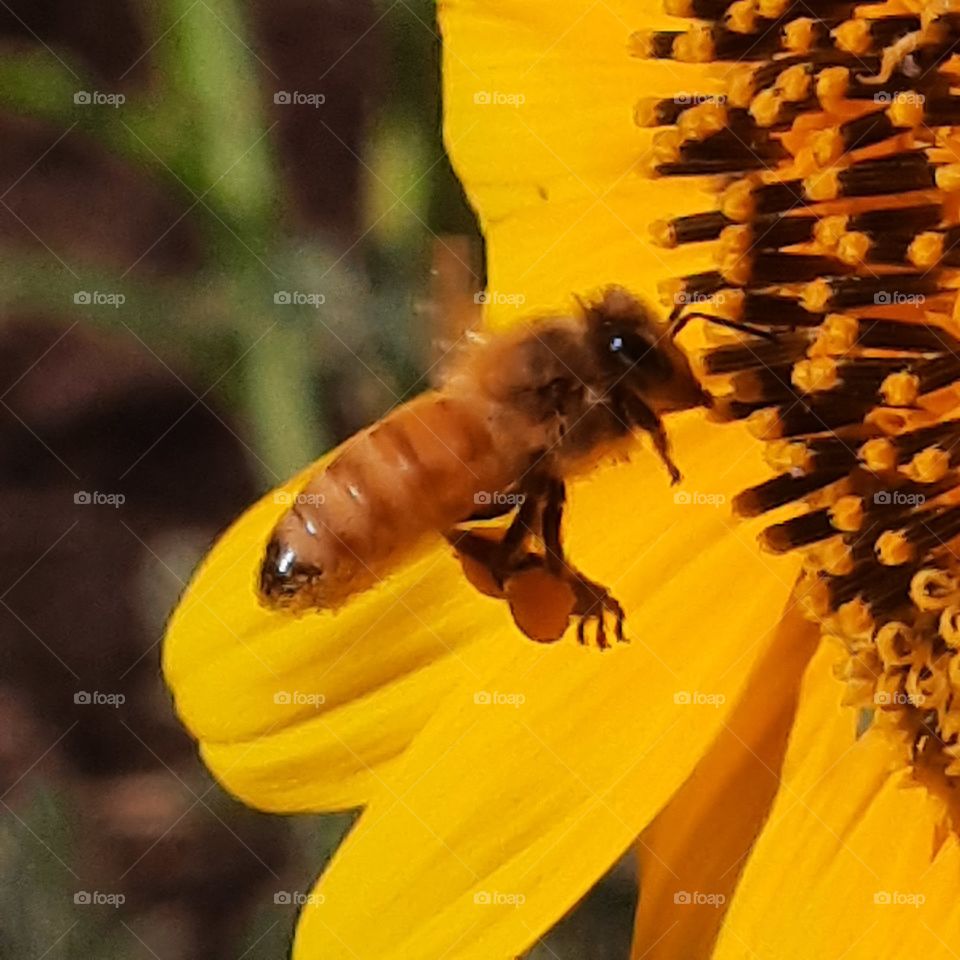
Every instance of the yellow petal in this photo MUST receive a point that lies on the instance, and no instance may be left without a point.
(556, 177)
(692, 855)
(306, 713)
(226, 658)
(505, 812)
(850, 862)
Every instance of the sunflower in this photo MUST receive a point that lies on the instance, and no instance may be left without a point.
(780, 741)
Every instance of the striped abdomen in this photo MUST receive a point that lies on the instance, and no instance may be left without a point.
(416, 472)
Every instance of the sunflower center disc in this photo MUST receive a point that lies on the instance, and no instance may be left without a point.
(836, 234)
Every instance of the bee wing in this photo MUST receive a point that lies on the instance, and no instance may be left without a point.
(455, 306)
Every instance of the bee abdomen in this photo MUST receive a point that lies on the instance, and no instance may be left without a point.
(415, 472)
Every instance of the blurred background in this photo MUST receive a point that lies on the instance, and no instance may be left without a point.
(230, 236)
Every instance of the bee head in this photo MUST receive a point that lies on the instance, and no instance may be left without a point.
(637, 354)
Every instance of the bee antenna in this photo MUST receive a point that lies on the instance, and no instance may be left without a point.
(679, 322)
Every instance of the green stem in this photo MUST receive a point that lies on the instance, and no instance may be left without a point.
(280, 388)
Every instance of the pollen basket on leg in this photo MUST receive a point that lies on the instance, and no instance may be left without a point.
(833, 319)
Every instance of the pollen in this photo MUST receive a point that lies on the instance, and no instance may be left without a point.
(835, 238)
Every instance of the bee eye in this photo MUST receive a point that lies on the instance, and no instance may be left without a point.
(630, 348)
(637, 353)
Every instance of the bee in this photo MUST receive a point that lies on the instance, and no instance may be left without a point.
(518, 414)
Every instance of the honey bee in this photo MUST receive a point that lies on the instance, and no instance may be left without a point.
(518, 414)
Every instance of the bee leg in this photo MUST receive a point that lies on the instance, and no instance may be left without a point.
(500, 551)
(662, 445)
(528, 518)
(489, 560)
(491, 556)
(551, 520)
(593, 601)
(540, 601)
(482, 557)
(479, 549)
(638, 414)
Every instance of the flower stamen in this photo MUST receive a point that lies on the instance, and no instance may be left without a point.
(836, 238)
